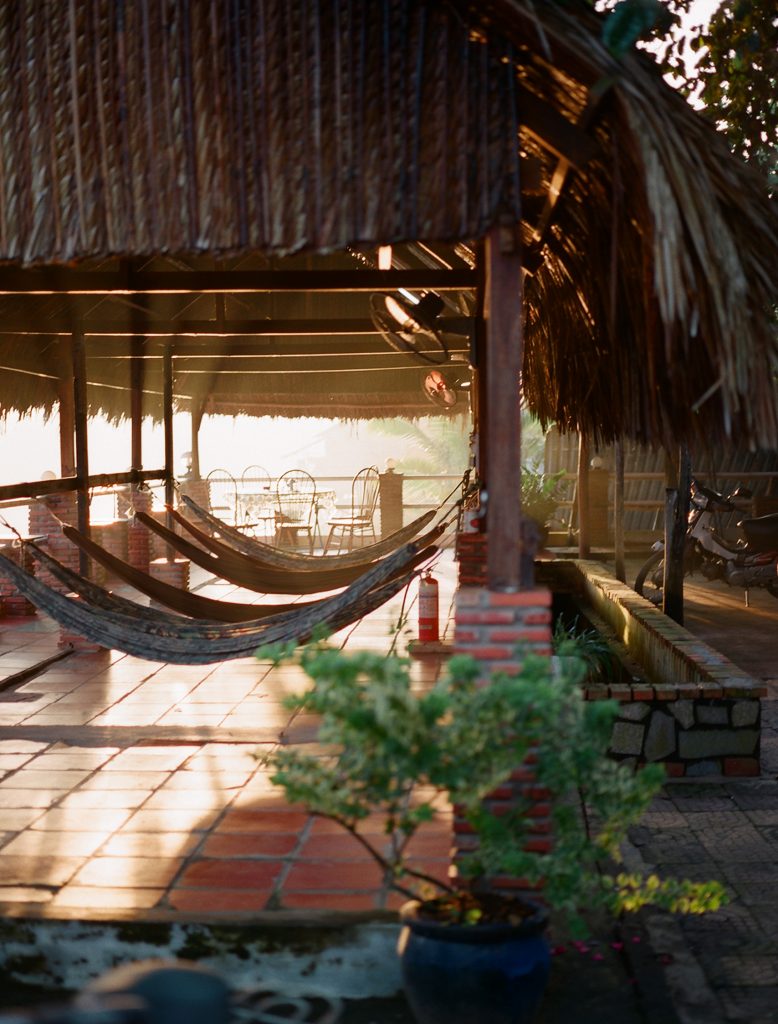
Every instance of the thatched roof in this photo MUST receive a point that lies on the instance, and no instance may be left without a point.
(293, 125)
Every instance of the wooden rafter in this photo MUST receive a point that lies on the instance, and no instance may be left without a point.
(64, 281)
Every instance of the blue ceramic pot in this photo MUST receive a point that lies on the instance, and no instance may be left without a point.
(473, 974)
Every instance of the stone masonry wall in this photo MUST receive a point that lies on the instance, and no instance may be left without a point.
(697, 713)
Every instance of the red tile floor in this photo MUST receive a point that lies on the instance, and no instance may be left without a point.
(130, 788)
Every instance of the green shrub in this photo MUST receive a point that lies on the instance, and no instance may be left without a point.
(393, 752)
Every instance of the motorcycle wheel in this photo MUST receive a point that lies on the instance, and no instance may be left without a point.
(772, 588)
(648, 582)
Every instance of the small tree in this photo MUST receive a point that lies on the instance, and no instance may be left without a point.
(394, 753)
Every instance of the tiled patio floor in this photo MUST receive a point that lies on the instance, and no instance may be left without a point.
(131, 788)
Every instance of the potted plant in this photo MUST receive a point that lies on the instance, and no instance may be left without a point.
(395, 752)
(540, 496)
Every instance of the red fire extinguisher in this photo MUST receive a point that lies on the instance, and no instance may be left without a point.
(428, 608)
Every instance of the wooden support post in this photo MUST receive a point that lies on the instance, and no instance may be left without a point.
(167, 418)
(676, 517)
(584, 547)
(196, 420)
(78, 356)
(480, 398)
(618, 511)
(137, 346)
(67, 426)
(501, 419)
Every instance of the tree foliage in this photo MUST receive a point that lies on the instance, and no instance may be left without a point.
(728, 67)
(735, 77)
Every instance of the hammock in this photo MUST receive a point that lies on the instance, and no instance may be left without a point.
(192, 643)
(182, 601)
(222, 549)
(246, 572)
(298, 559)
(95, 594)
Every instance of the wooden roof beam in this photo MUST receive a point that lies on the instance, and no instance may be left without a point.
(567, 141)
(152, 327)
(66, 281)
(533, 254)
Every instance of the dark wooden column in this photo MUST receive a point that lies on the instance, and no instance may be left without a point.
(196, 420)
(501, 419)
(137, 374)
(480, 401)
(584, 547)
(78, 356)
(67, 412)
(167, 418)
(678, 475)
(618, 511)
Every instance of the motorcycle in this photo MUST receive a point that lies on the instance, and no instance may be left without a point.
(749, 562)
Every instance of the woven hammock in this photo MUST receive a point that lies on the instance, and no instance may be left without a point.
(272, 555)
(182, 601)
(192, 643)
(221, 548)
(95, 594)
(246, 572)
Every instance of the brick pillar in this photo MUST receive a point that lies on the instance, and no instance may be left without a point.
(390, 501)
(43, 524)
(11, 601)
(198, 491)
(493, 627)
(114, 537)
(175, 572)
(470, 552)
(138, 536)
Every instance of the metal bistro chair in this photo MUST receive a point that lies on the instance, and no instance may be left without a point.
(295, 507)
(256, 502)
(223, 495)
(359, 520)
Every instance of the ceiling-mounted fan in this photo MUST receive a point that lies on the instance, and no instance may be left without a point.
(411, 327)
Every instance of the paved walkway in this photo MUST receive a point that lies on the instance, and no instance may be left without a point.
(130, 790)
(130, 787)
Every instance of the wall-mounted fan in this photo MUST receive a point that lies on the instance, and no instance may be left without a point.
(440, 389)
(411, 327)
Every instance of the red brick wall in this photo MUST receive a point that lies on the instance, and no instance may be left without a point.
(44, 524)
(138, 536)
(494, 627)
(11, 601)
(174, 572)
(470, 552)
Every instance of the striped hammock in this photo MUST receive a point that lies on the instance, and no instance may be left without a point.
(193, 643)
(182, 601)
(247, 572)
(272, 555)
(221, 548)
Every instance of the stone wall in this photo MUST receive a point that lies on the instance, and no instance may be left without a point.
(696, 712)
(691, 731)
